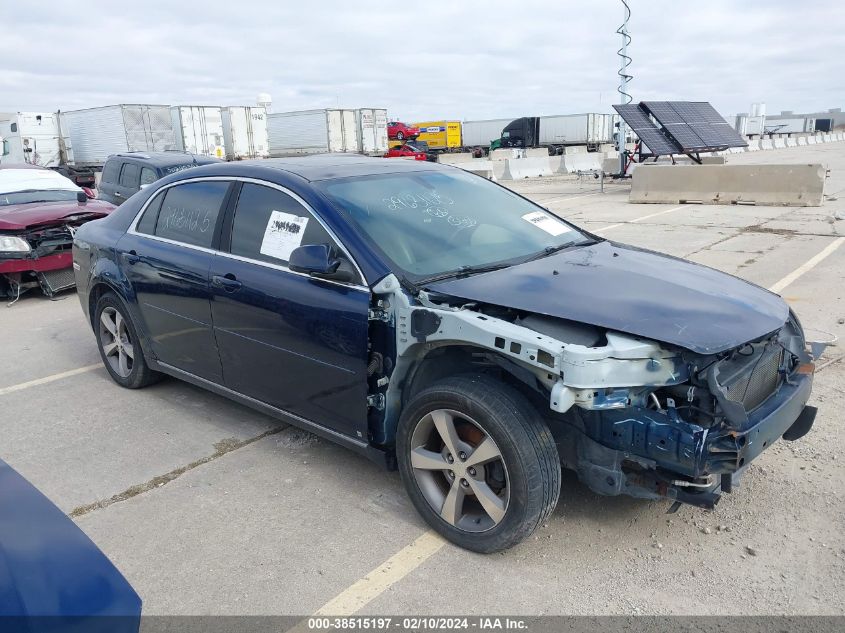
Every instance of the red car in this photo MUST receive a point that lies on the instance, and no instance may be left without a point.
(406, 151)
(39, 213)
(400, 131)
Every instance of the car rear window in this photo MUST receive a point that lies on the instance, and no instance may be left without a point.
(189, 212)
(258, 211)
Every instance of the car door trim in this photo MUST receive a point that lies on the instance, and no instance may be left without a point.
(359, 445)
(133, 229)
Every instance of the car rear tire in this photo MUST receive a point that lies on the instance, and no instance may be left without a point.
(478, 462)
(400, 136)
(119, 345)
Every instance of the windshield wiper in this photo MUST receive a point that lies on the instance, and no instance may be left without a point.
(551, 250)
(463, 271)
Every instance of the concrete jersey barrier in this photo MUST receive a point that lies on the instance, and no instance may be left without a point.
(775, 185)
(519, 168)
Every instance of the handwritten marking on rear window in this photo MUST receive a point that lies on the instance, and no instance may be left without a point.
(184, 219)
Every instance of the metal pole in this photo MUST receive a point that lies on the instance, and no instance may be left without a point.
(624, 77)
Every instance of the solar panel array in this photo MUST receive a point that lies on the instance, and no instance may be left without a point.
(655, 139)
(688, 126)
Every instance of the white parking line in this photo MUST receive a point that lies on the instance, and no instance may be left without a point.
(48, 379)
(808, 265)
(645, 217)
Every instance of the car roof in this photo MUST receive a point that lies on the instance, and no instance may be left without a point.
(166, 159)
(316, 167)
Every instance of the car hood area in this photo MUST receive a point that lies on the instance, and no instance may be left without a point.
(18, 217)
(635, 291)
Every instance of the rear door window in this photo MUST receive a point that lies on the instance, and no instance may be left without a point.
(269, 224)
(129, 175)
(189, 212)
(148, 176)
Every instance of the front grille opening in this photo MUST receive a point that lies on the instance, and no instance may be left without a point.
(750, 377)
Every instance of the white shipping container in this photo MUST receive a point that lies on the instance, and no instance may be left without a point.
(576, 129)
(35, 138)
(790, 125)
(372, 130)
(199, 130)
(97, 133)
(313, 132)
(245, 132)
(480, 133)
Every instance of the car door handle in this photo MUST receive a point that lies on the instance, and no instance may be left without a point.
(227, 282)
(131, 257)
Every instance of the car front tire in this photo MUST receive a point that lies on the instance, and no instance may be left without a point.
(478, 462)
(119, 344)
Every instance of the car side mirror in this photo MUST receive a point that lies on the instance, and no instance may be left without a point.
(81, 197)
(314, 259)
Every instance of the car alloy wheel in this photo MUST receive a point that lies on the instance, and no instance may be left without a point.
(400, 135)
(460, 470)
(116, 342)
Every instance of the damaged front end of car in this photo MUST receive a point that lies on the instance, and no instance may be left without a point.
(630, 415)
(37, 257)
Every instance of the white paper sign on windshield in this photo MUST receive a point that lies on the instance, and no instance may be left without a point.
(544, 221)
(283, 234)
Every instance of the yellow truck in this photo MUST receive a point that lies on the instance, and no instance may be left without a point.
(440, 135)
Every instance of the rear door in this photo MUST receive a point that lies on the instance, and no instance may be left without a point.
(166, 257)
(129, 182)
(109, 181)
(292, 341)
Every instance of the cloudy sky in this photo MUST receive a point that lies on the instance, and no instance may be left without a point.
(463, 59)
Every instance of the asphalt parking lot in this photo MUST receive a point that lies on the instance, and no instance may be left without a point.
(210, 508)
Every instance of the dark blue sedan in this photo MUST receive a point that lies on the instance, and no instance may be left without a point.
(444, 325)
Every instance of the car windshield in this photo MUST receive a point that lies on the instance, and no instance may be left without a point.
(429, 223)
(24, 186)
(26, 197)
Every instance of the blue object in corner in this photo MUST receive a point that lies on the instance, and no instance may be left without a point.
(52, 576)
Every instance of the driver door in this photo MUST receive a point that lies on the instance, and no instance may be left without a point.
(289, 340)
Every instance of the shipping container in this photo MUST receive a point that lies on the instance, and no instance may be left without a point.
(245, 132)
(361, 131)
(481, 133)
(576, 129)
(789, 125)
(440, 135)
(372, 130)
(35, 138)
(199, 130)
(97, 133)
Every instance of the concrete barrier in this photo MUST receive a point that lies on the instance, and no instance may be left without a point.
(536, 152)
(455, 158)
(483, 168)
(775, 185)
(801, 140)
(780, 143)
(557, 164)
(575, 149)
(767, 143)
(826, 138)
(811, 140)
(519, 168)
(754, 145)
(607, 147)
(791, 142)
(583, 162)
(505, 153)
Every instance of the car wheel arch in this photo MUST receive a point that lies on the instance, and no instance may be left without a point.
(434, 364)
